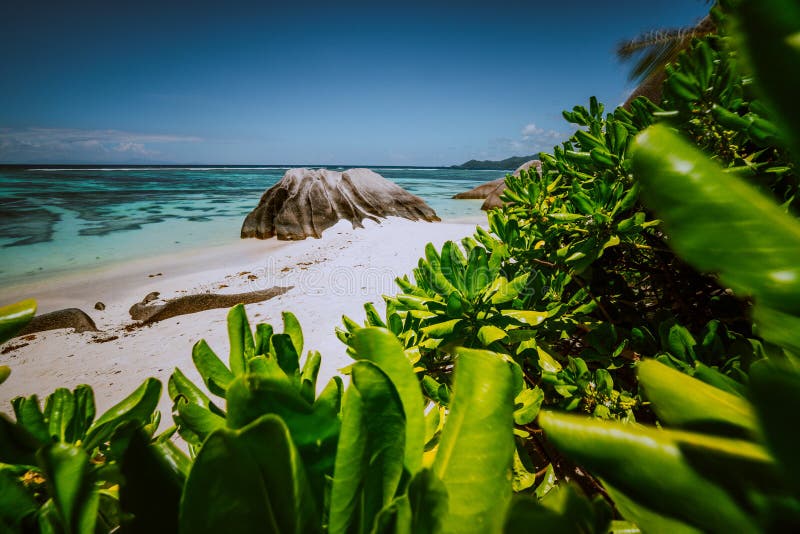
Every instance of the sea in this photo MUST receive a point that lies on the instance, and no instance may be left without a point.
(57, 219)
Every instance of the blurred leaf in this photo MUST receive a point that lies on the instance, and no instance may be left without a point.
(14, 317)
(770, 38)
(69, 480)
(648, 467)
(477, 444)
(681, 400)
(737, 223)
(153, 482)
(15, 502)
(775, 392)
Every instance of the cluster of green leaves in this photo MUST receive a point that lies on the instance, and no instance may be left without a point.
(556, 306)
(279, 457)
(725, 456)
(575, 279)
(341, 462)
(726, 460)
(61, 469)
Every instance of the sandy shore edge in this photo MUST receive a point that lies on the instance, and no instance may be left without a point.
(331, 276)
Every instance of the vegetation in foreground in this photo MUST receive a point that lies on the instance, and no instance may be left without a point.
(672, 341)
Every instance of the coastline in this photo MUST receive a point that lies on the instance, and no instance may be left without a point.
(331, 277)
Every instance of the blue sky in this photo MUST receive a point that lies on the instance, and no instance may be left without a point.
(372, 83)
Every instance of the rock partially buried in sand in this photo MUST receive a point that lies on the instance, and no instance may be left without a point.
(305, 202)
(152, 313)
(68, 318)
(99, 306)
(491, 191)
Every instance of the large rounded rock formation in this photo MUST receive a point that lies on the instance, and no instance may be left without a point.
(491, 191)
(307, 201)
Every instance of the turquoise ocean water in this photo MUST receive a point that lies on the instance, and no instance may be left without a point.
(60, 219)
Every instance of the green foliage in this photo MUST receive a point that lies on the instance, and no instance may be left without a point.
(369, 460)
(13, 318)
(61, 466)
(573, 300)
(576, 282)
(723, 462)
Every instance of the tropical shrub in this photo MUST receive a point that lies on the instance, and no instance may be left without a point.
(60, 467)
(725, 462)
(726, 459)
(341, 462)
(575, 279)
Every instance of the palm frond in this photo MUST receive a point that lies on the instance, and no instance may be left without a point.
(654, 50)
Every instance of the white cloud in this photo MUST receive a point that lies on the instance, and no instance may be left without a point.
(533, 132)
(531, 129)
(72, 144)
(532, 140)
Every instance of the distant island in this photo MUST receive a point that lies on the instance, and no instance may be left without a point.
(488, 165)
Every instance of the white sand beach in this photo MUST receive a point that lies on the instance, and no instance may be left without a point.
(331, 276)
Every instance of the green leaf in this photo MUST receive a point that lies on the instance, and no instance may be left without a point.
(262, 339)
(286, 354)
(770, 38)
(428, 498)
(718, 222)
(488, 334)
(153, 478)
(308, 376)
(5, 372)
(215, 375)
(477, 277)
(547, 362)
(369, 459)
(179, 385)
(252, 395)
(248, 480)
(382, 348)
(648, 466)
(15, 501)
(14, 317)
(373, 317)
(646, 519)
(563, 509)
(30, 416)
(84, 411)
(17, 444)
(505, 291)
(291, 327)
(775, 392)
(60, 411)
(241, 339)
(452, 266)
(681, 400)
(68, 473)
(138, 406)
(439, 330)
(314, 428)
(529, 317)
(527, 405)
(477, 443)
(198, 419)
